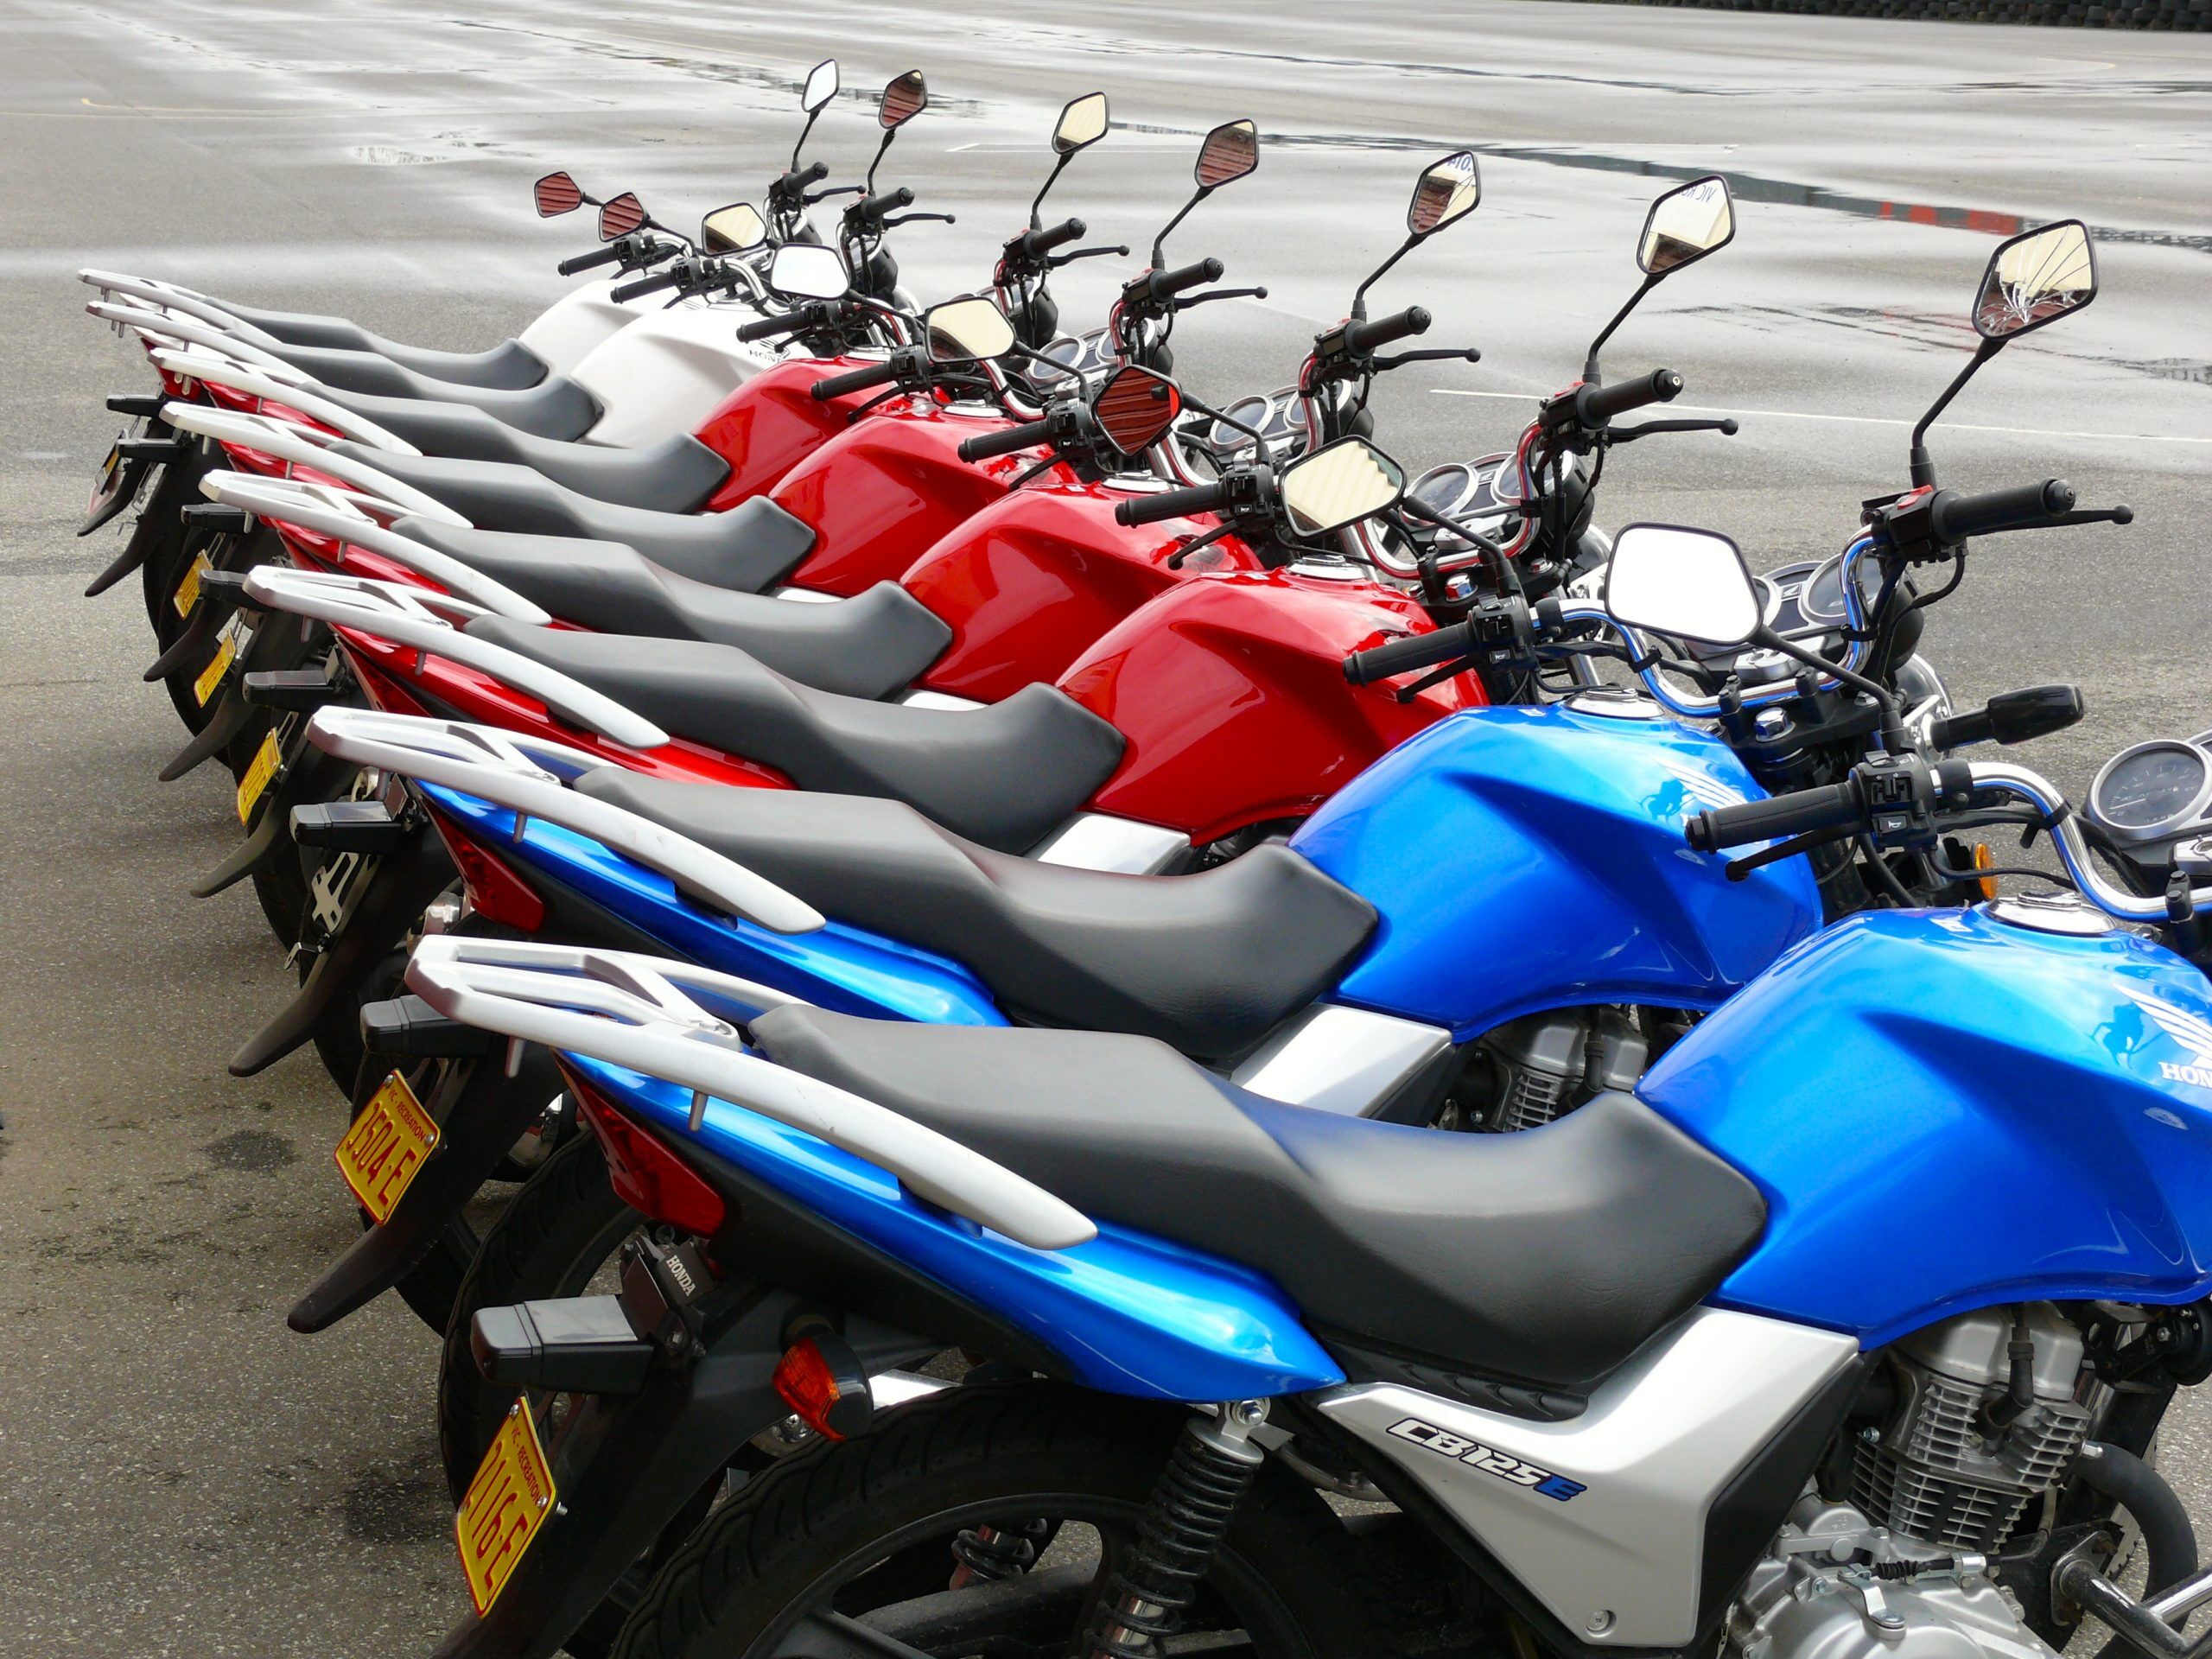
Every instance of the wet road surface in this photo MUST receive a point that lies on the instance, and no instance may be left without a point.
(178, 1472)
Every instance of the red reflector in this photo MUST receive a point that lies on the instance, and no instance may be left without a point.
(809, 1386)
(495, 892)
(644, 1173)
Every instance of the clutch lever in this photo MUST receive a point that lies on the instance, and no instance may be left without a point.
(1429, 354)
(1630, 434)
(2122, 514)
(1221, 294)
(893, 224)
(1053, 262)
(835, 190)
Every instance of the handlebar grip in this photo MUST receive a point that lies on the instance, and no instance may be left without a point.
(1165, 284)
(1956, 518)
(984, 445)
(1365, 337)
(2013, 717)
(1035, 244)
(793, 182)
(645, 285)
(601, 256)
(875, 208)
(1403, 656)
(1598, 405)
(875, 374)
(768, 327)
(1172, 504)
(1830, 806)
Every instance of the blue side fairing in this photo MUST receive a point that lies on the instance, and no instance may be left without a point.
(1947, 1112)
(1528, 858)
(842, 968)
(1131, 1313)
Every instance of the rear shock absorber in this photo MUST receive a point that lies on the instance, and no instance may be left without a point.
(1191, 1505)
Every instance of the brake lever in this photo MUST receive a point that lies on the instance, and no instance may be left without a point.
(2122, 514)
(835, 190)
(1054, 261)
(894, 222)
(1629, 434)
(1427, 355)
(1180, 304)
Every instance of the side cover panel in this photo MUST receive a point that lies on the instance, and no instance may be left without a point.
(771, 423)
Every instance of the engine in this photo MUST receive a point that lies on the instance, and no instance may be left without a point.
(1547, 1064)
(1899, 1567)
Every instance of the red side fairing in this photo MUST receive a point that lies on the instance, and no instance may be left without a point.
(1232, 695)
(1031, 582)
(771, 423)
(885, 488)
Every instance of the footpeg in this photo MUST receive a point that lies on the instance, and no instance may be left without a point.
(584, 1346)
(409, 1026)
(140, 405)
(350, 827)
(305, 689)
(153, 450)
(216, 516)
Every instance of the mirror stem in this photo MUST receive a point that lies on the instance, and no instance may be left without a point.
(1590, 362)
(812, 116)
(1359, 294)
(1036, 223)
(1159, 242)
(1924, 465)
(1893, 712)
(878, 161)
(1259, 444)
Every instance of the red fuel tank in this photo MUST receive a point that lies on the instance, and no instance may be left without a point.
(772, 421)
(1032, 580)
(1232, 695)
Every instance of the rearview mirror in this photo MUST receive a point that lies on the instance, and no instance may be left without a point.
(1230, 150)
(807, 270)
(967, 330)
(1135, 407)
(1691, 584)
(556, 193)
(1081, 123)
(2036, 277)
(620, 216)
(1448, 190)
(1684, 225)
(733, 229)
(902, 100)
(1340, 483)
(821, 87)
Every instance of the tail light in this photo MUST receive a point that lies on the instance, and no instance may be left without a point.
(495, 892)
(644, 1173)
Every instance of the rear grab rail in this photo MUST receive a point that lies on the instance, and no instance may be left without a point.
(288, 441)
(245, 379)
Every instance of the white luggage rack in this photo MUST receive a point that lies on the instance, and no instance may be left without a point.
(233, 376)
(628, 1010)
(530, 776)
(170, 329)
(347, 515)
(183, 300)
(430, 622)
(290, 442)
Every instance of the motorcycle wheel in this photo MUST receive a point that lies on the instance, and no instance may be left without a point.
(1038, 1463)
(159, 533)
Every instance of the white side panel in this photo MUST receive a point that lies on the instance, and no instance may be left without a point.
(665, 372)
(1098, 840)
(943, 701)
(1340, 1059)
(1619, 1561)
(583, 320)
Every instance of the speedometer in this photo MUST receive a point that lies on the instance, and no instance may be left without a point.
(2153, 791)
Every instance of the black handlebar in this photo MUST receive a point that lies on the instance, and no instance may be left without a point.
(876, 209)
(606, 255)
(1165, 284)
(2013, 717)
(1365, 337)
(792, 183)
(1035, 244)
(645, 285)
(1415, 651)
(984, 445)
(768, 327)
(1173, 504)
(1955, 517)
(1805, 812)
(1595, 405)
(875, 374)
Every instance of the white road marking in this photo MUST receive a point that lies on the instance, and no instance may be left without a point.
(1662, 411)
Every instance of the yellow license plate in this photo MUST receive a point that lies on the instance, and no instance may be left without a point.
(210, 678)
(386, 1145)
(265, 760)
(504, 1506)
(188, 591)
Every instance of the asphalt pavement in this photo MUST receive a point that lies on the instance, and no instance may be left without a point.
(179, 1474)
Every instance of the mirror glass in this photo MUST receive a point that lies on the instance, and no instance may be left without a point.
(1684, 225)
(962, 330)
(733, 229)
(821, 86)
(1690, 584)
(903, 100)
(558, 193)
(807, 270)
(1230, 151)
(1084, 122)
(1449, 189)
(2036, 278)
(1135, 407)
(1340, 483)
(620, 216)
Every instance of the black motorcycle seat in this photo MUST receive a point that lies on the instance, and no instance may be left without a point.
(1005, 775)
(556, 407)
(508, 367)
(677, 474)
(1209, 963)
(749, 547)
(868, 646)
(1549, 1256)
